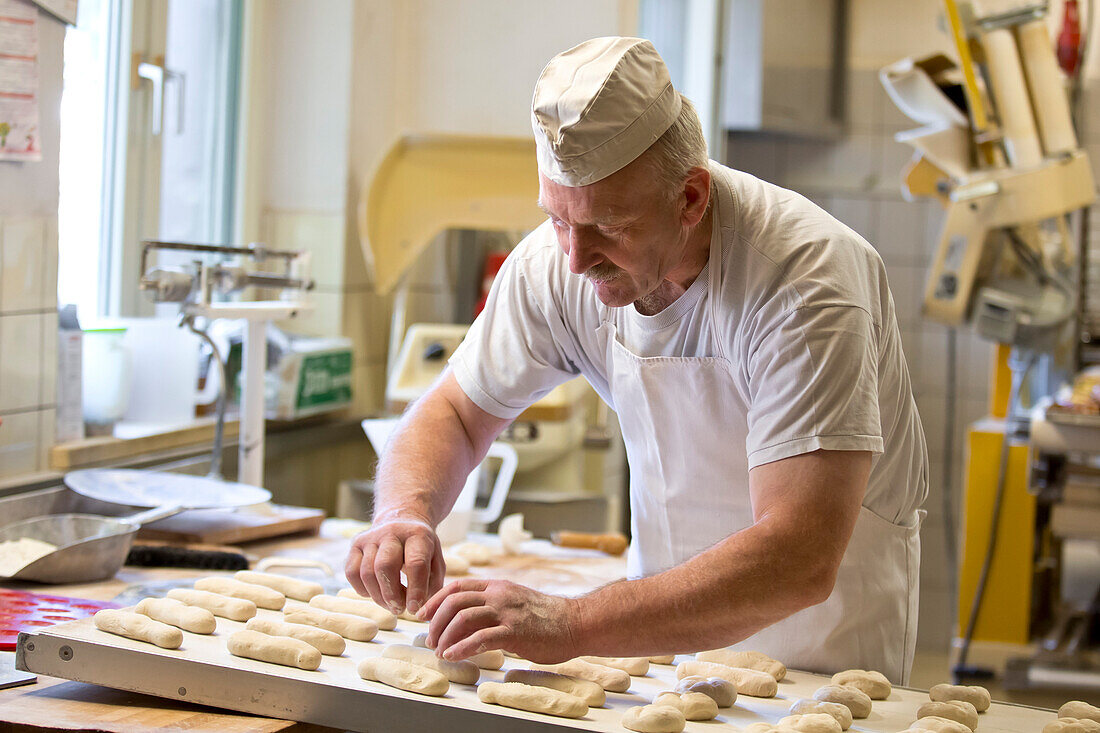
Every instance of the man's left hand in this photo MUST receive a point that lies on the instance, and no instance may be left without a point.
(476, 615)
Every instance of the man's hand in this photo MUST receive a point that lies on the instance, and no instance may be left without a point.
(379, 556)
(476, 615)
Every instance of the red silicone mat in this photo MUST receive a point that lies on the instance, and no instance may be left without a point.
(23, 611)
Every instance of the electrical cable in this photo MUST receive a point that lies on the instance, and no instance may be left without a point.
(1019, 376)
(948, 476)
(219, 424)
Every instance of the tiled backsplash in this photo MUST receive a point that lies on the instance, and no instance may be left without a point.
(28, 343)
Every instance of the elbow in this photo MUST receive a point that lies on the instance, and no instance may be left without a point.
(818, 582)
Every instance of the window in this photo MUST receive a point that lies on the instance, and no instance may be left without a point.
(148, 141)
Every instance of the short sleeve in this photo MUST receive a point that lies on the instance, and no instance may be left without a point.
(813, 385)
(509, 358)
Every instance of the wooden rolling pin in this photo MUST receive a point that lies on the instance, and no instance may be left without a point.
(613, 543)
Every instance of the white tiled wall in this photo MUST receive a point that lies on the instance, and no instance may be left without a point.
(28, 343)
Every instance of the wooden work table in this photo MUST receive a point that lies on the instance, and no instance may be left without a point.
(57, 704)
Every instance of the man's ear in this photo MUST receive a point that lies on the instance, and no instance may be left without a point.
(696, 196)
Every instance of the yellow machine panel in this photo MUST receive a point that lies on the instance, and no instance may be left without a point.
(1005, 614)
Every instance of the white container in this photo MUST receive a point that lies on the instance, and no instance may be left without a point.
(455, 526)
(165, 360)
(106, 378)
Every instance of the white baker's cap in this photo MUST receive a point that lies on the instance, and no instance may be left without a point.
(598, 106)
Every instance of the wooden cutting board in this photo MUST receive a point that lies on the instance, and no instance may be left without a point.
(220, 527)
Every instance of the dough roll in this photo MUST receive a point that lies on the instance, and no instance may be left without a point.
(587, 690)
(654, 719)
(873, 684)
(533, 698)
(177, 613)
(262, 596)
(633, 666)
(464, 672)
(366, 609)
(351, 627)
(976, 695)
(612, 680)
(138, 626)
(299, 590)
(323, 640)
(234, 609)
(492, 659)
(694, 705)
(747, 681)
(749, 660)
(404, 676)
(274, 649)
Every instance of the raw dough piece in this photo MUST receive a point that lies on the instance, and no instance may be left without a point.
(464, 672)
(749, 660)
(853, 699)
(720, 690)
(274, 649)
(976, 695)
(840, 713)
(747, 681)
(612, 680)
(957, 710)
(936, 724)
(179, 614)
(874, 684)
(811, 723)
(472, 553)
(765, 728)
(365, 608)
(1080, 710)
(299, 590)
(262, 596)
(455, 564)
(323, 640)
(351, 627)
(404, 676)
(532, 698)
(1072, 725)
(492, 659)
(694, 705)
(663, 659)
(405, 615)
(234, 609)
(587, 690)
(654, 719)
(633, 666)
(138, 626)
(512, 534)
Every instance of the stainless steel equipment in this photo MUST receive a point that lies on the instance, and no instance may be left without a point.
(91, 547)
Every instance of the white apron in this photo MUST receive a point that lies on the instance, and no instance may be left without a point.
(684, 425)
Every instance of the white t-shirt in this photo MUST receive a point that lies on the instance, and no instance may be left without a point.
(806, 321)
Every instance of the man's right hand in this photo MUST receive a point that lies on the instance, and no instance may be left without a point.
(392, 546)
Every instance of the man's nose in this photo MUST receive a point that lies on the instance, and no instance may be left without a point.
(582, 250)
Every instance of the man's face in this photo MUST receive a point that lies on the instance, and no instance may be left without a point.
(622, 233)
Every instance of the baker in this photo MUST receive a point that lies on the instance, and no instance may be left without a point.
(748, 343)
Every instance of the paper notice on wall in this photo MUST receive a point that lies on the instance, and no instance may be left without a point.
(19, 138)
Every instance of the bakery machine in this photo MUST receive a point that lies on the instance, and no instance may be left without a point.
(996, 146)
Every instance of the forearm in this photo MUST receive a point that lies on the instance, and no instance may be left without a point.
(440, 440)
(425, 464)
(748, 581)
